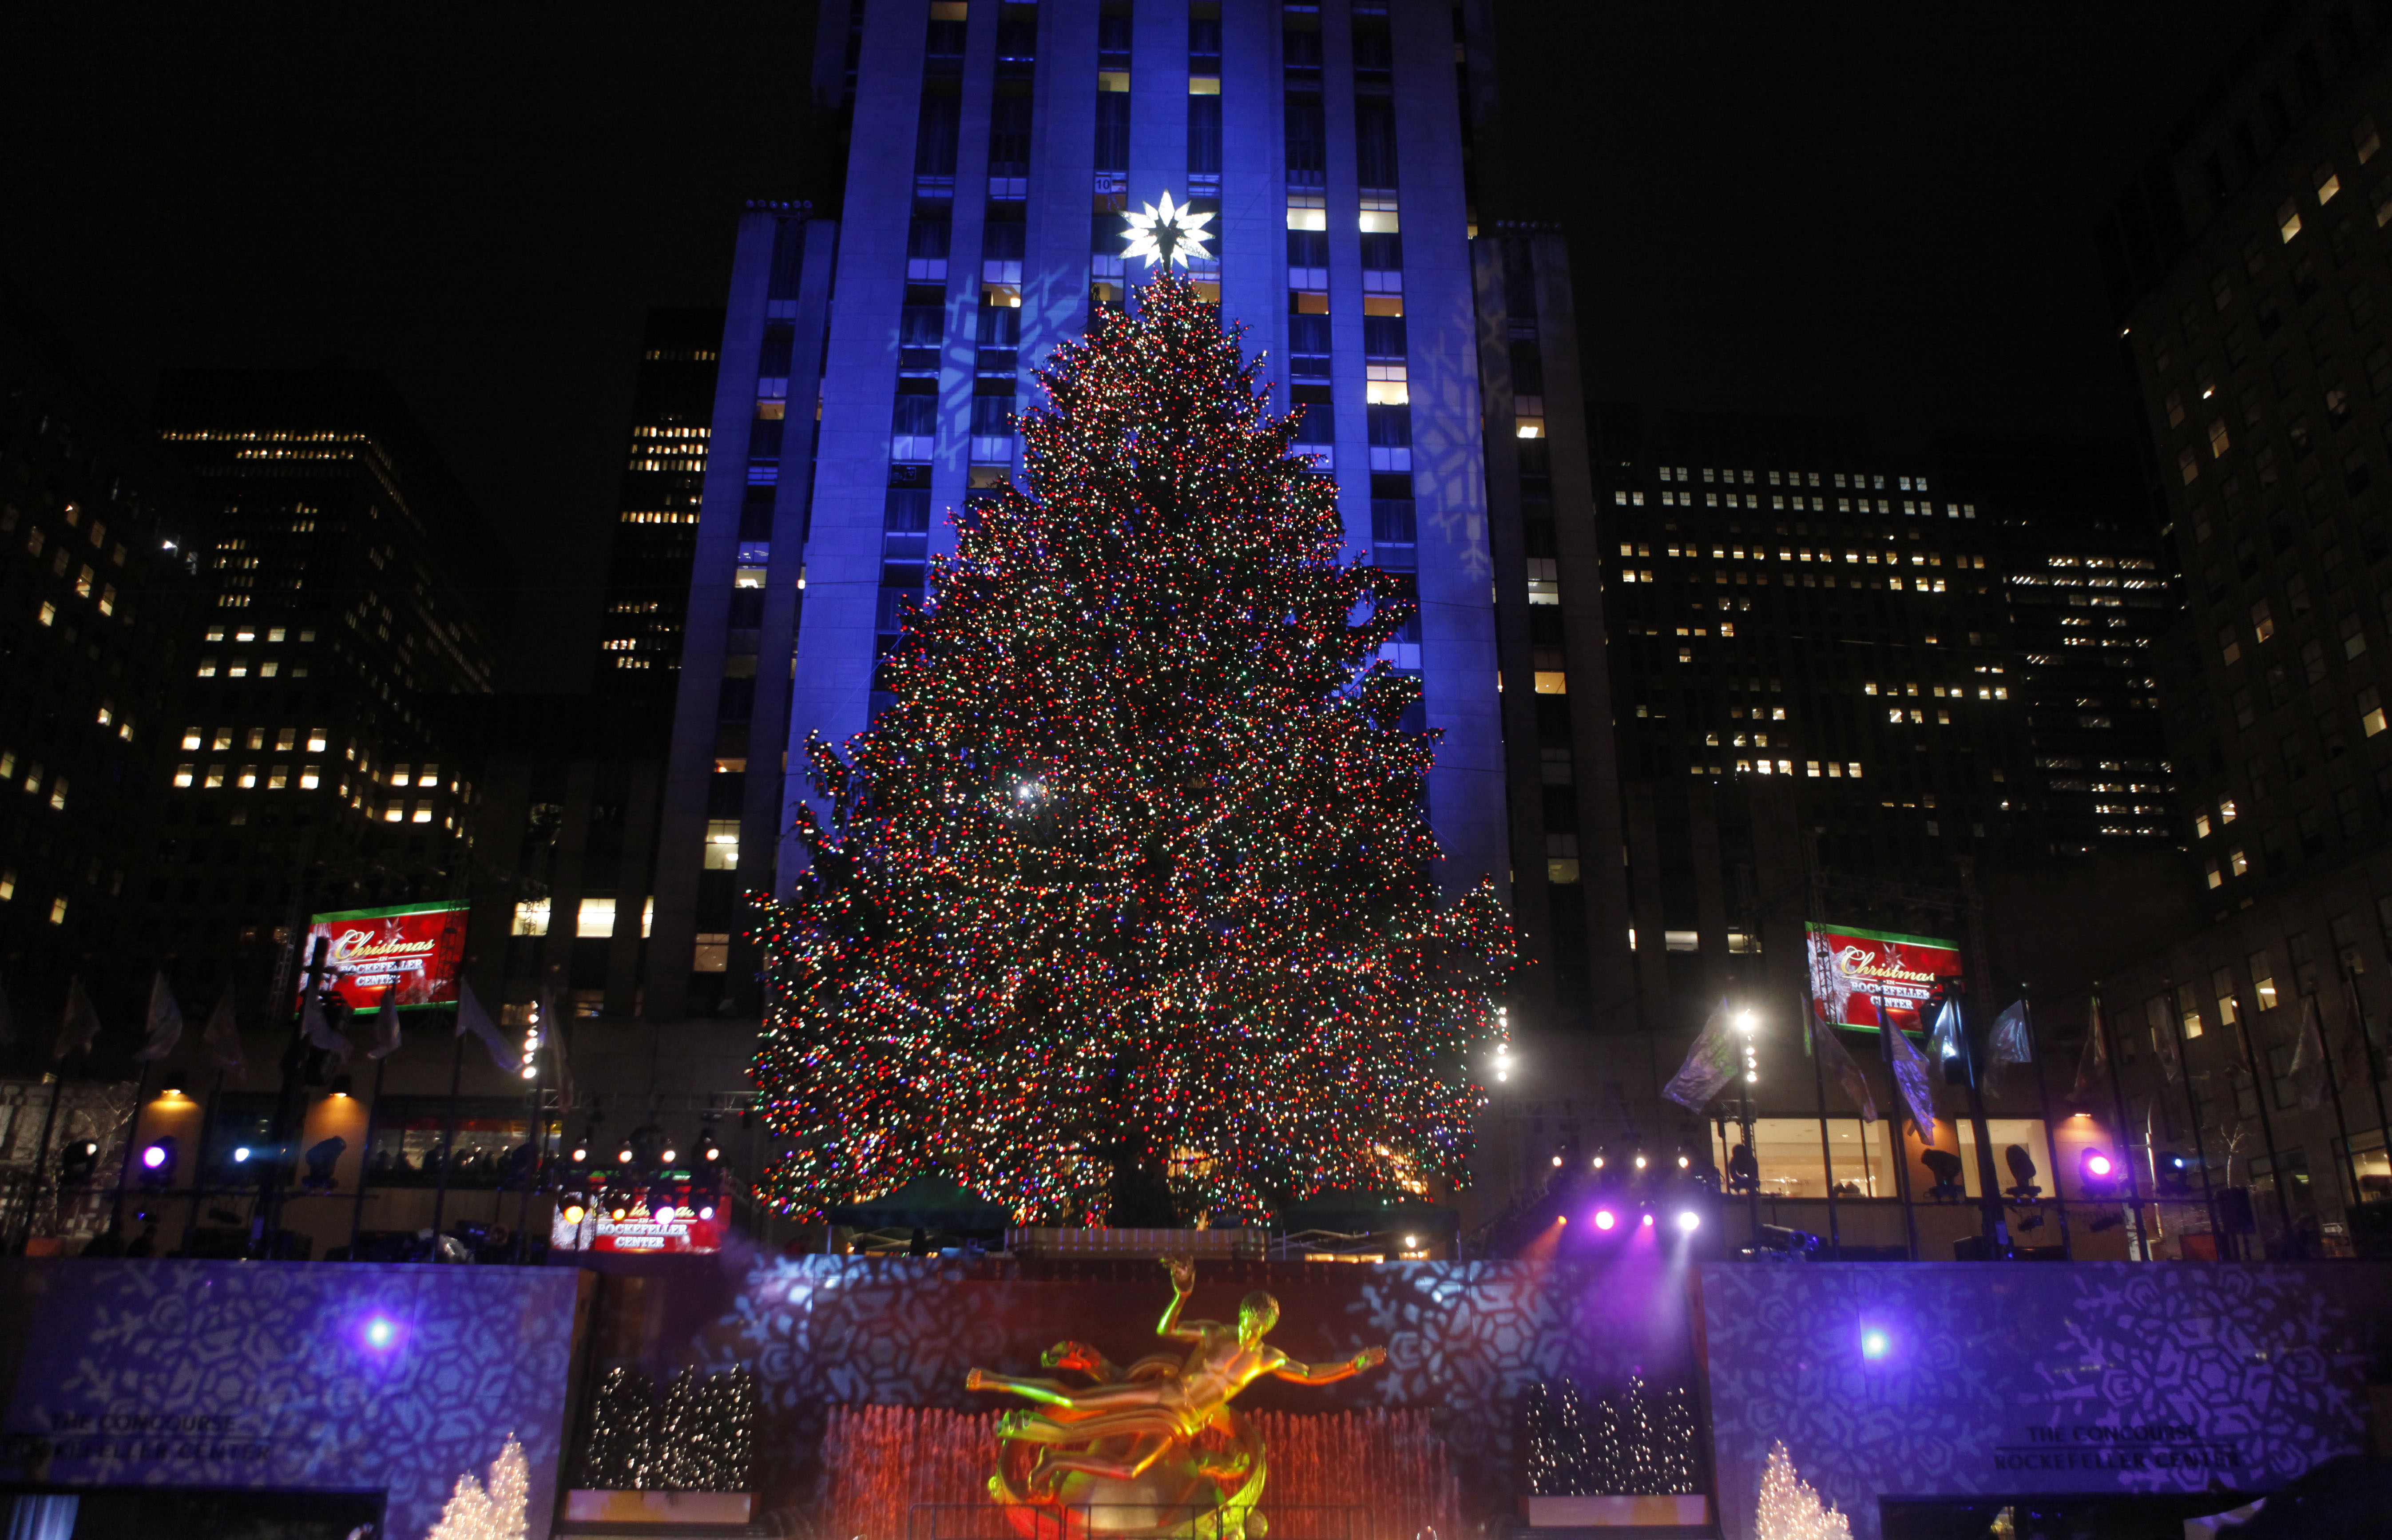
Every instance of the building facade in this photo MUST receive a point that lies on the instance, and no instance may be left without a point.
(2246, 273)
(100, 593)
(655, 528)
(351, 579)
(993, 151)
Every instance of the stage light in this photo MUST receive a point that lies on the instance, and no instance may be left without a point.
(1875, 1343)
(321, 1158)
(669, 1154)
(1557, 1160)
(1412, 1243)
(619, 1211)
(1685, 1161)
(1598, 1163)
(1945, 1167)
(381, 1333)
(2096, 1166)
(158, 1162)
(1605, 1219)
(1743, 1170)
(624, 1154)
(1689, 1221)
(1648, 1221)
(706, 1212)
(240, 1154)
(2023, 1173)
(1639, 1160)
(574, 1213)
(79, 1163)
(708, 1150)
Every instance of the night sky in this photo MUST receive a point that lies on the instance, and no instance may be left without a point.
(1876, 211)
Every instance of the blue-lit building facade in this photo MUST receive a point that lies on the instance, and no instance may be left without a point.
(875, 354)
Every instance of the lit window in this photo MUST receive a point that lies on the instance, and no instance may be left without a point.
(286, 740)
(2200, 828)
(1552, 682)
(395, 814)
(279, 778)
(2225, 810)
(423, 812)
(401, 774)
(721, 844)
(2219, 443)
(2236, 864)
(215, 778)
(2288, 220)
(712, 953)
(248, 779)
(58, 794)
(428, 774)
(7, 885)
(531, 917)
(185, 774)
(59, 911)
(315, 741)
(48, 615)
(2216, 877)
(2328, 184)
(2263, 981)
(237, 669)
(191, 737)
(2370, 712)
(310, 778)
(595, 919)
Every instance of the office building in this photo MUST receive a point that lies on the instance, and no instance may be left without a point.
(655, 527)
(99, 593)
(2246, 273)
(351, 579)
(993, 151)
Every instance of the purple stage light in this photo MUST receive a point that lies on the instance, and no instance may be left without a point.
(1648, 1221)
(1875, 1343)
(1604, 1218)
(154, 1157)
(1689, 1221)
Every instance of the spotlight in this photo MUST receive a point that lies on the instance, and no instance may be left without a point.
(1689, 1221)
(1743, 1170)
(240, 1154)
(1648, 1221)
(2023, 1173)
(1945, 1167)
(1606, 1220)
(668, 1156)
(158, 1162)
(1875, 1343)
(78, 1162)
(2175, 1175)
(1598, 1163)
(2096, 1166)
(1639, 1160)
(619, 1211)
(707, 1212)
(1685, 1161)
(708, 1150)
(381, 1333)
(574, 1213)
(341, 1087)
(1412, 1243)
(1557, 1160)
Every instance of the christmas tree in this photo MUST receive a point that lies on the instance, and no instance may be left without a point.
(1788, 1509)
(501, 1511)
(1130, 882)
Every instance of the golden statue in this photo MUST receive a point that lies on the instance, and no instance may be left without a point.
(1154, 1450)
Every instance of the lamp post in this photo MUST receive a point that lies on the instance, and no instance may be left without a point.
(1971, 1038)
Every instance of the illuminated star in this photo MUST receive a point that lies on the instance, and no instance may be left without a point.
(1166, 232)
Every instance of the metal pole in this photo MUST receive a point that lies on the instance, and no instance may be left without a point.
(365, 1160)
(1901, 1155)
(1826, 1146)
(2043, 1097)
(2367, 1050)
(42, 1172)
(266, 1228)
(1991, 1216)
(2342, 1127)
(2262, 1092)
(2101, 1024)
(132, 1139)
(199, 1159)
(2193, 1105)
(447, 1139)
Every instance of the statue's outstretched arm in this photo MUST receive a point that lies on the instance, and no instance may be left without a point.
(1183, 1284)
(1327, 1374)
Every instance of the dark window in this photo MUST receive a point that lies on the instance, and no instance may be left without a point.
(1009, 135)
(1003, 241)
(991, 416)
(934, 140)
(1527, 369)
(1374, 53)
(1375, 142)
(1204, 45)
(1390, 427)
(1383, 336)
(1307, 248)
(916, 414)
(1112, 131)
(1383, 252)
(927, 239)
(1000, 326)
(1320, 421)
(1302, 47)
(1307, 140)
(921, 325)
(1204, 135)
(1308, 334)
(774, 363)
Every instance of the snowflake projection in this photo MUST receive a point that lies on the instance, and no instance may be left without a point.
(1165, 233)
(2156, 1370)
(273, 1358)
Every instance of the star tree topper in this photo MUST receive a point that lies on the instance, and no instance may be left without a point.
(1166, 233)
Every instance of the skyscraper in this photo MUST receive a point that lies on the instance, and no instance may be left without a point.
(655, 528)
(993, 152)
(351, 576)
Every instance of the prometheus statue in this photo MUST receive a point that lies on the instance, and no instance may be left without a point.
(1154, 1450)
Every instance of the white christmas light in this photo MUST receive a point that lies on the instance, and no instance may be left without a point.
(1789, 1509)
(501, 1511)
(1166, 232)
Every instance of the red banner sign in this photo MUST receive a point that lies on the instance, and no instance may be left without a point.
(413, 948)
(638, 1232)
(1862, 978)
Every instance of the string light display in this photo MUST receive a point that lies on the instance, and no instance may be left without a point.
(1130, 880)
(1789, 1509)
(500, 1512)
(1639, 1442)
(700, 1436)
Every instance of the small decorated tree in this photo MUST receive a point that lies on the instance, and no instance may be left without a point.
(1788, 1509)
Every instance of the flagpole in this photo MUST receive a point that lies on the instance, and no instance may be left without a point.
(132, 1138)
(365, 1158)
(199, 1159)
(449, 1131)
(2367, 1050)
(1901, 1155)
(2126, 1135)
(2342, 1125)
(2043, 1096)
(1827, 1148)
(2262, 1092)
(2192, 1105)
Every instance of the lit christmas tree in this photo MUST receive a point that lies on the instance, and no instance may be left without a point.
(1132, 875)
(1788, 1509)
(501, 1511)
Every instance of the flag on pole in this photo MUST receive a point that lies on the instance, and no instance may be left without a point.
(320, 1033)
(2093, 1063)
(221, 1036)
(79, 1028)
(2164, 1037)
(1910, 1078)
(1710, 1064)
(1946, 1037)
(472, 1018)
(166, 1026)
(1838, 1061)
(2307, 1070)
(385, 1041)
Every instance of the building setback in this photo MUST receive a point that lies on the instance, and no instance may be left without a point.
(655, 528)
(351, 577)
(992, 153)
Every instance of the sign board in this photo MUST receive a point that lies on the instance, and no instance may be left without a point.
(638, 1232)
(1862, 978)
(412, 948)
